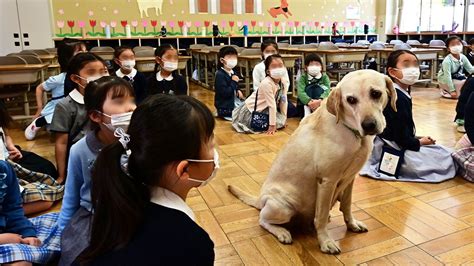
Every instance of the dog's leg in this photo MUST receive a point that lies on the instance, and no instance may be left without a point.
(345, 207)
(325, 191)
(272, 213)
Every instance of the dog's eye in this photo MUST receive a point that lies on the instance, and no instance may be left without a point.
(352, 100)
(375, 94)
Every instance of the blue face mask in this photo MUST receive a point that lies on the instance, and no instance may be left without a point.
(214, 172)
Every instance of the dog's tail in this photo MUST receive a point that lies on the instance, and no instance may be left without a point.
(244, 196)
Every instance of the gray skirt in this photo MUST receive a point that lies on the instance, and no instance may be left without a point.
(241, 118)
(431, 164)
(76, 236)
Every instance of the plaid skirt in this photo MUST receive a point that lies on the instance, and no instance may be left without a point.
(37, 186)
(49, 234)
(464, 157)
(242, 117)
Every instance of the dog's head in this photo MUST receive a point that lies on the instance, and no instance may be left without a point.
(359, 99)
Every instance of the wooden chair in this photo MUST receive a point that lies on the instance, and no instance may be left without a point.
(105, 52)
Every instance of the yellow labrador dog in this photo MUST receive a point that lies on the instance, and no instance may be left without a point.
(321, 159)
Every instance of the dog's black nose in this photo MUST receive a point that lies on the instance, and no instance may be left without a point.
(369, 126)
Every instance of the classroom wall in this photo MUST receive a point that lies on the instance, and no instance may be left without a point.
(89, 18)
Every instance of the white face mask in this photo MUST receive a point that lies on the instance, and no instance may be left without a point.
(170, 66)
(91, 78)
(314, 70)
(231, 63)
(128, 64)
(118, 121)
(456, 49)
(278, 73)
(410, 75)
(214, 172)
(265, 55)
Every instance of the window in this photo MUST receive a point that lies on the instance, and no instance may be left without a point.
(431, 15)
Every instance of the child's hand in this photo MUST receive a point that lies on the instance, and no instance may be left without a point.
(15, 154)
(8, 238)
(427, 141)
(271, 130)
(240, 95)
(314, 104)
(32, 241)
(235, 78)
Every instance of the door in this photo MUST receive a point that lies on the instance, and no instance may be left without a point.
(35, 24)
(9, 28)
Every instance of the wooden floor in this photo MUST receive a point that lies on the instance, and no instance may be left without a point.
(426, 224)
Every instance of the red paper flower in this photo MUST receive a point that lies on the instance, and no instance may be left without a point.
(92, 23)
(316, 23)
(353, 23)
(124, 23)
(154, 23)
(277, 23)
(180, 23)
(207, 23)
(231, 23)
(70, 23)
(297, 23)
(253, 23)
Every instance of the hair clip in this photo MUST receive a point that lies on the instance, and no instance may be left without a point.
(124, 138)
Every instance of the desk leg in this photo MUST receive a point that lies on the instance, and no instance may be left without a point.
(247, 79)
(434, 69)
(199, 68)
(206, 78)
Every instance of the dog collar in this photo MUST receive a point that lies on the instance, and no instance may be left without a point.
(355, 131)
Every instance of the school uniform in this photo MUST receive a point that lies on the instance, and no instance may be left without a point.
(271, 99)
(429, 163)
(452, 66)
(173, 84)
(13, 220)
(54, 85)
(138, 81)
(311, 88)
(470, 56)
(464, 148)
(225, 92)
(76, 210)
(168, 235)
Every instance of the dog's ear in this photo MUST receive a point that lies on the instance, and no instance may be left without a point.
(392, 93)
(334, 103)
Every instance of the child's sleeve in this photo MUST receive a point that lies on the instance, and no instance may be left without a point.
(16, 222)
(74, 181)
(52, 82)
(327, 84)
(301, 87)
(62, 121)
(445, 75)
(222, 88)
(181, 86)
(266, 91)
(257, 76)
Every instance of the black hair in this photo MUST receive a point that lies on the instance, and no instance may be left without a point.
(452, 38)
(78, 62)
(66, 51)
(312, 57)
(119, 199)
(118, 51)
(471, 41)
(392, 59)
(268, 42)
(5, 118)
(226, 50)
(96, 92)
(269, 60)
(160, 51)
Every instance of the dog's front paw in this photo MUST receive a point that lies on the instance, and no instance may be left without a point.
(329, 246)
(357, 226)
(283, 235)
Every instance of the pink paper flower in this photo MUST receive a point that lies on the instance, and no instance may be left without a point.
(246, 23)
(134, 23)
(214, 23)
(90, 13)
(269, 24)
(223, 23)
(290, 24)
(81, 24)
(171, 23)
(283, 23)
(113, 24)
(239, 24)
(103, 24)
(260, 23)
(163, 23)
(144, 23)
(197, 24)
(60, 24)
(61, 11)
(189, 24)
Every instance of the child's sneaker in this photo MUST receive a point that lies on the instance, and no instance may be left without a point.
(31, 130)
